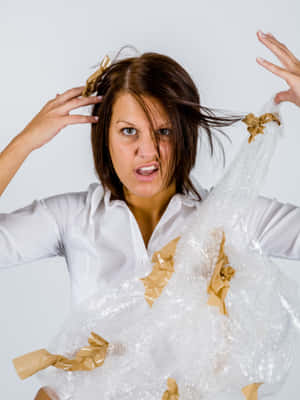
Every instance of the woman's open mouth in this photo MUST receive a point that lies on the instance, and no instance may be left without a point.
(144, 175)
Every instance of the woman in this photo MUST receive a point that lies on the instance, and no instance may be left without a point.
(156, 99)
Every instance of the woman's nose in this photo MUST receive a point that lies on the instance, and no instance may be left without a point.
(146, 145)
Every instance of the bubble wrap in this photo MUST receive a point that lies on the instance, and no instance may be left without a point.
(181, 336)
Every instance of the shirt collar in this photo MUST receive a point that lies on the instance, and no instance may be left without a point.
(187, 199)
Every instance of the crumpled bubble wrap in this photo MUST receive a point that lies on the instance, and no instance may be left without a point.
(181, 336)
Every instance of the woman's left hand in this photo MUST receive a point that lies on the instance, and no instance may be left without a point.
(292, 72)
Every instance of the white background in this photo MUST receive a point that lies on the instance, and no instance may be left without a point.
(49, 47)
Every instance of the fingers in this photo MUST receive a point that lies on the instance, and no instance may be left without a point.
(286, 57)
(62, 98)
(69, 94)
(80, 119)
(286, 95)
(76, 102)
(281, 72)
(283, 46)
(268, 37)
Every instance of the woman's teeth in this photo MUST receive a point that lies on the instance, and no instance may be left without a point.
(146, 170)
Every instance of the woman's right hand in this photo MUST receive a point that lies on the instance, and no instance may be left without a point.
(54, 116)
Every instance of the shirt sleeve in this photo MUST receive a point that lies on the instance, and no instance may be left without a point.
(36, 231)
(276, 227)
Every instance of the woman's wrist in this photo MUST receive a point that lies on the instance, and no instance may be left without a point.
(23, 143)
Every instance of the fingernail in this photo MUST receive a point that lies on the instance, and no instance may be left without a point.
(96, 118)
(261, 33)
(99, 97)
(261, 59)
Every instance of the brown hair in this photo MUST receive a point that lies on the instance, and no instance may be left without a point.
(159, 76)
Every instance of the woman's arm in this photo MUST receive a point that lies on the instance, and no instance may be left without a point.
(275, 227)
(46, 124)
(272, 226)
(11, 158)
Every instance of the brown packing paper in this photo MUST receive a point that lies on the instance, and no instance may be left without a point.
(87, 358)
(219, 283)
(172, 392)
(250, 391)
(91, 82)
(161, 272)
(256, 124)
(90, 357)
(46, 393)
(218, 288)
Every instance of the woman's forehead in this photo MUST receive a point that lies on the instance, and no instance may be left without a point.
(127, 108)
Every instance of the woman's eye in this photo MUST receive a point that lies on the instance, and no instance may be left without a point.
(165, 129)
(127, 128)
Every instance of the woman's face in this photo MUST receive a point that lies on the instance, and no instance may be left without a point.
(131, 144)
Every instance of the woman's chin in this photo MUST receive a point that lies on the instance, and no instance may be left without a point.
(146, 191)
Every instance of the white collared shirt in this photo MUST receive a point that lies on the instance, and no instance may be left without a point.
(101, 240)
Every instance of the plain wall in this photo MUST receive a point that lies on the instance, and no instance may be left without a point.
(49, 47)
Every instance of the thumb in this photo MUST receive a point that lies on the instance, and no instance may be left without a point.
(285, 95)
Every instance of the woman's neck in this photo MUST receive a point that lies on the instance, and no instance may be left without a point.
(150, 209)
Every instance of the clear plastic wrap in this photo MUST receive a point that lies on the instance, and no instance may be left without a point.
(181, 336)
